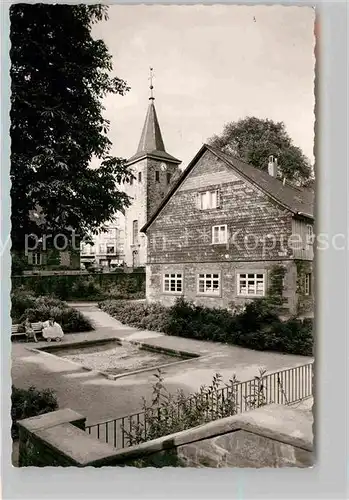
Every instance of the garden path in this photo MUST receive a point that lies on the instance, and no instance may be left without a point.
(99, 399)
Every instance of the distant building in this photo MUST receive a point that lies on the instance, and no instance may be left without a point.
(107, 250)
(222, 228)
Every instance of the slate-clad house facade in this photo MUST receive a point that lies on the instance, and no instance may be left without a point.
(220, 231)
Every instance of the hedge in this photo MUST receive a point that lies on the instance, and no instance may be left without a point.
(257, 327)
(84, 287)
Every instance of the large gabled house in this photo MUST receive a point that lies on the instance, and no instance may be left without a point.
(221, 231)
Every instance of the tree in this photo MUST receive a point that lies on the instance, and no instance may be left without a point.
(254, 140)
(60, 75)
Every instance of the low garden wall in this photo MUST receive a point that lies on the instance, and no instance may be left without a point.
(270, 436)
(92, 286)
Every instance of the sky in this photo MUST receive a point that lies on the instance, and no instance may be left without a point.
(212, 65)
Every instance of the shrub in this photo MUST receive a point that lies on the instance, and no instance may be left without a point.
(169, 413)
(29, 403)
(256, 327)
(42, 308)
(86, 288)
(140, 315)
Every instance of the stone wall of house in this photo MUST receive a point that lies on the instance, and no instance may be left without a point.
(259, 237)
(228, 297)
(183, 233)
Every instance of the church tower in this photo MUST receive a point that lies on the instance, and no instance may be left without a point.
(154, 169)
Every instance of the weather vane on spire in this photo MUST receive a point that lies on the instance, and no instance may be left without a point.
(151, 84)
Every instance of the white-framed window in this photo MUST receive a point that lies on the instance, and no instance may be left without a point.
(220, 234)
(251, 284)
(310, 236)
(307, 284)
(209, 284)
(173, 283)
(101, 248)
(208, 199)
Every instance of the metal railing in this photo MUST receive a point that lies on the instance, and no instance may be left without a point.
(284, 387)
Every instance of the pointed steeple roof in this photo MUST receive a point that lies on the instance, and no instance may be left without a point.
(151, 138)
(151, 142)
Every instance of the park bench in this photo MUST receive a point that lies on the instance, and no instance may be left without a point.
(37, 327)
(16, 332)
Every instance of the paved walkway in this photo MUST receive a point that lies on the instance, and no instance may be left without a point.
(100, 399)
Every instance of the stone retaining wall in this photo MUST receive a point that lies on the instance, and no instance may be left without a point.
(271, 436)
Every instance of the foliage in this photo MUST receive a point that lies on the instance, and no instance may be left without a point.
(25, 305)
(141, 315)
(30, 402)
(276, 285)
(60, 74)
(18, 264)
(169, 413)
(85, 287)
(257, 327)
(303, 267)
(254, 140)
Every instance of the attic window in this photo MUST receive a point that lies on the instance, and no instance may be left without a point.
(157, 176)
(208, 199)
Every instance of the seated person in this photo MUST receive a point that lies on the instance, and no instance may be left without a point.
(29, 331)
(52, 330)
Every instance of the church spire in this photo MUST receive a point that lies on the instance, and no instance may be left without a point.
(151, 142)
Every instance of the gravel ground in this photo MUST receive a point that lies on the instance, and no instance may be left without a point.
(114, 358)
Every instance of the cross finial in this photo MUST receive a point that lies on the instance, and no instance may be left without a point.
(151, 76)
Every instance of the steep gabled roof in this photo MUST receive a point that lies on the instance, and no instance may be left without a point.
(151, 142)
(299, 201)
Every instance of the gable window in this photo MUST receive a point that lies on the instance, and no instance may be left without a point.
(157, 175)
(139, 176)
(135, 232)
(168, 176)
(307, 284)
(208, 199)
(209, 284)
(173, 283)
(219, 234)
(251, 284)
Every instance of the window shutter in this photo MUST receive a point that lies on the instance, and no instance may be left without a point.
(198, 201)
(218, 198)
